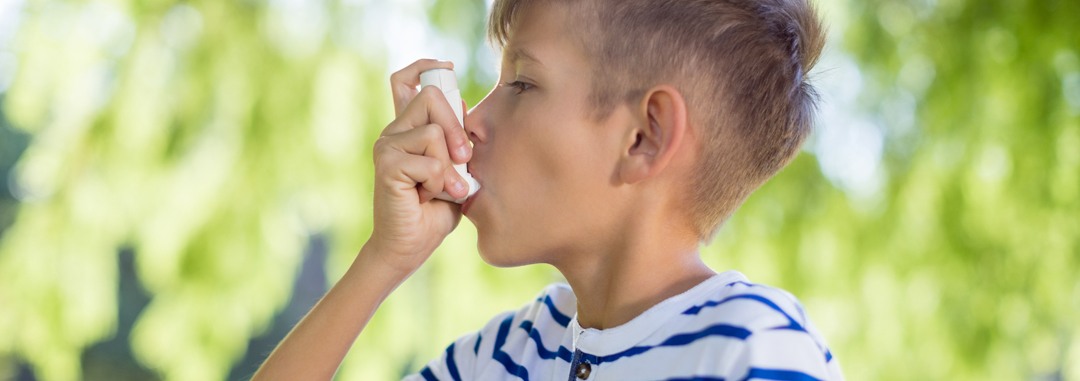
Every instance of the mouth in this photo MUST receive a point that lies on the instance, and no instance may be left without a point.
(465, 206)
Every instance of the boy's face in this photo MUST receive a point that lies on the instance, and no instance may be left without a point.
(547, 170)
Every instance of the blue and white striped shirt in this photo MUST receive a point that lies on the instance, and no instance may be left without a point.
(725, 328)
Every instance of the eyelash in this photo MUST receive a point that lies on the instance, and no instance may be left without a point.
(521, 86)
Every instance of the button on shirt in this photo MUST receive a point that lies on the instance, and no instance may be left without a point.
(725, 328)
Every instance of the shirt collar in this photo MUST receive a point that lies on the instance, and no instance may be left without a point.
(616, 339)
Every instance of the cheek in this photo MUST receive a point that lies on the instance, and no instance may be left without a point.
(545, 155)
(548, 172)
(555, 171)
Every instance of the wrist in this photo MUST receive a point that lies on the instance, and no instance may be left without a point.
(372, 268)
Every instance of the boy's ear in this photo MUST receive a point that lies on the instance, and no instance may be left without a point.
(656, 135)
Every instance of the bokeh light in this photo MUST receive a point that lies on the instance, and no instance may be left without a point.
(183, 180)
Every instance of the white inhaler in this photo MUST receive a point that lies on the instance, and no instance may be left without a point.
(446, 80)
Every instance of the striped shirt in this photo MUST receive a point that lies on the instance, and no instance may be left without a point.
(725, 328)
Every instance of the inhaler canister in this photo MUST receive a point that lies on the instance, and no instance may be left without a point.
(446, 81)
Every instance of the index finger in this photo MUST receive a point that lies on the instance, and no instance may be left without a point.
(403, 82)
(431, 107)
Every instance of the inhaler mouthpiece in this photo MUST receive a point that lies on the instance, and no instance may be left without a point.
(446, 80)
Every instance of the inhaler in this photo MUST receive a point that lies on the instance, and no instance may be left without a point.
(446, 81)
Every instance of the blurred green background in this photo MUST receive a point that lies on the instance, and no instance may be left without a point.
(185, 179)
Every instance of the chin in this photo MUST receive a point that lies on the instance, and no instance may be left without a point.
(503, 252)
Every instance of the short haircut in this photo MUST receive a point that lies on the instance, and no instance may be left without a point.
(740, 65)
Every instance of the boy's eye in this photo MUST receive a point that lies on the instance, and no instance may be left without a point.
(520, 86)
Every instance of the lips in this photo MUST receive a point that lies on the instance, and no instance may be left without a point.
(475, 174)
(465, 206)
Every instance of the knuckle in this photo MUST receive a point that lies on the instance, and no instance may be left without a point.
(388, 128)
(385, 162)
(435, 183)
(429, 91)
(380, 167)
(433, 132)
(379, 148)
(435, 166)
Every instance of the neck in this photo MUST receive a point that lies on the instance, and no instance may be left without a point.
(633, 271)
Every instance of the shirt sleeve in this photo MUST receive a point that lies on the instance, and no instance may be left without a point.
(455, 363)
(458, 361)
(784, 343)
(784, 354)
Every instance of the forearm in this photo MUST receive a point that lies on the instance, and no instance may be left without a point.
(314, 349)
(413, 149)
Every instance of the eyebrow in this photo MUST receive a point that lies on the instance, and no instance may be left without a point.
(520, 54)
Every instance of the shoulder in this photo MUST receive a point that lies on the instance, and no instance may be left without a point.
(496, 349)
(549, 311)
(752, 306)
(779, 335)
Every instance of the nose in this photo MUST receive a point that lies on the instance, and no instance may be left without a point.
(478, 121)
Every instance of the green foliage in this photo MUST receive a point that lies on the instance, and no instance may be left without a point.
(213, 137)
(966, 263)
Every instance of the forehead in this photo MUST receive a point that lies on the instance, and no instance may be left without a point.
(542, 35)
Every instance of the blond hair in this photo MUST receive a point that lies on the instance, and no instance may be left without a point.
(740, 64)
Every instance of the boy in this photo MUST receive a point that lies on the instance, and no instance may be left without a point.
(621, 135)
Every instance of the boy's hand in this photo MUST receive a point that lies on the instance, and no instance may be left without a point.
(414, 160)
(412, 165)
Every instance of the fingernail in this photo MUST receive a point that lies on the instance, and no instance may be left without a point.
(458, 184)
(463, 151)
